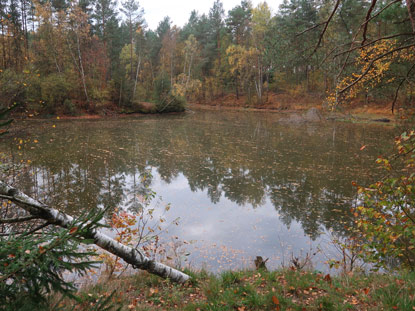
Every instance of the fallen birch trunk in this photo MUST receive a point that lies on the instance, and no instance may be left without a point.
(130, 255)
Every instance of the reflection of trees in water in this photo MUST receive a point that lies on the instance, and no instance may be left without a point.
(305, 170)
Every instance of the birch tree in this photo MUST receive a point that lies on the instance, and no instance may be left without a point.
(261, 18)
(133, 256)
(79, 29)
(134, 15)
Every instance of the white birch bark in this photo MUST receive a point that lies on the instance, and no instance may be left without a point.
(81, 66)
(133, 256)
(136, 75)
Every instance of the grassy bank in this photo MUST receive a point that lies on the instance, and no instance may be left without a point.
(260, 290)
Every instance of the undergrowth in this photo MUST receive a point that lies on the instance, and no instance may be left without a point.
(261, 290)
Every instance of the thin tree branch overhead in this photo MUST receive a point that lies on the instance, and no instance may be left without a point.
(130, 255)
(326, 25)
(366, 23)
(372, 42)
(371, 65)
(399, 87)
(410, 4)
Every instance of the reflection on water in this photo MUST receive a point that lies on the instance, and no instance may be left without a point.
(242, 184)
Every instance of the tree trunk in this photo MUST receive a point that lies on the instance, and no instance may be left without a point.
(3, 43)
(189, 73)
(136, 76)
(131, 49)
(133, 256)
(258, 81)
(236, 88)
(81, 66)
(410, 4)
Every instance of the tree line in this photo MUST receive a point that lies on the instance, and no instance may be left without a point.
(64, 56)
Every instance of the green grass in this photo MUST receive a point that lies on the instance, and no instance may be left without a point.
(261, 290)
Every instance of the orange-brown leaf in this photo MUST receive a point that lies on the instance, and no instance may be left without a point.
(276, 302)
(327, 278)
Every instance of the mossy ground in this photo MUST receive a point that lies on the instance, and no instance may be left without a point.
(260, 290)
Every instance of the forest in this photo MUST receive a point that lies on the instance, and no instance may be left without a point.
(97, 56)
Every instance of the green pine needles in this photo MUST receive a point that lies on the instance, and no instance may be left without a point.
(32, 266)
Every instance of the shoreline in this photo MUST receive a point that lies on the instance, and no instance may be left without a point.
(358, 115)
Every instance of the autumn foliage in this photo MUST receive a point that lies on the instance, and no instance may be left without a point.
(386, 217)
(70, 57)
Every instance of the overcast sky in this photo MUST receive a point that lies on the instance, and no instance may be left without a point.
(179, 10)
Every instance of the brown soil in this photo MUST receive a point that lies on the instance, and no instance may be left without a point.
(81, 117)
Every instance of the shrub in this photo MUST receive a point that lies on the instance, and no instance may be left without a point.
(55, 90)
(69, 107)
(33, 94)
(12, 87)
(386, 218)
(164, 98)
(162, 87)
(171, 104)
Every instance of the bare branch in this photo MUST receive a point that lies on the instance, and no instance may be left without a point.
(17, 220)
(366, 23)
(310, 28)
(383, 9)
(399, 87)
(6, 197)
(326, 25)
(373, 42)
(331, 52)
(410, 4)
(37, 228)
(17, 233)
(357, 33)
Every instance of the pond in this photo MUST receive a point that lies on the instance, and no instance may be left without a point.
(242, 184)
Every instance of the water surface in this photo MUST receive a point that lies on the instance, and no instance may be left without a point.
(243, 184)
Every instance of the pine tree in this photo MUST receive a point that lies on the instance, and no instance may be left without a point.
(134, 14)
